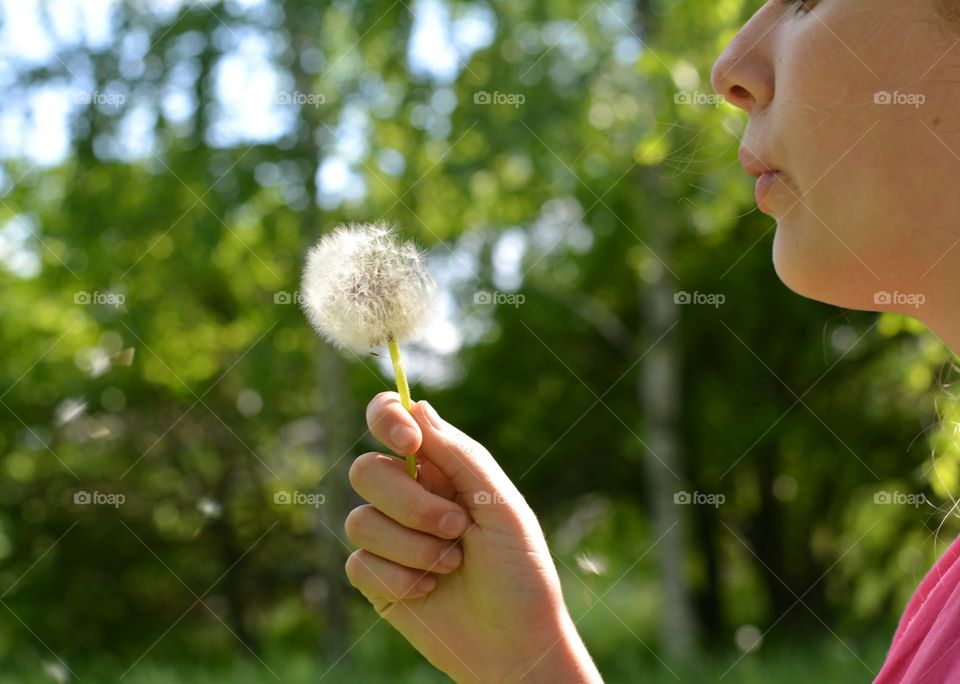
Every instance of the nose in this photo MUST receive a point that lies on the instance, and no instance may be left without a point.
(743, 73)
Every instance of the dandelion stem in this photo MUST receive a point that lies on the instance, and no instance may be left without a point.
(404, 389)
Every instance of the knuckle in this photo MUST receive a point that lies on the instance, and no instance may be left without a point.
(360, 468)
(375, 409)
(353, 568)
(429, 557)
(475, 449)
(353, 524)
(419, 513)
(469, 447)
(378, 399)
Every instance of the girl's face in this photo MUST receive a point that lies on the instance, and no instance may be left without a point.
(857, 104)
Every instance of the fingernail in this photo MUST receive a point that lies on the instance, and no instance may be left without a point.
(432, 416)
(403, 438)
(427, 583)
(452, 523)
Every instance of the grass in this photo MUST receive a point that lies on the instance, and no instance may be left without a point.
(800, 663)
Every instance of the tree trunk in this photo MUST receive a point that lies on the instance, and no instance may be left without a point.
(709, 606)
(335, 415)
(659, 397)
(336, 411)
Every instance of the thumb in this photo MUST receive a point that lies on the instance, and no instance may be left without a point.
(463, 460)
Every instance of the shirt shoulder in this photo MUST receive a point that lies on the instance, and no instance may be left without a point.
(925, 646)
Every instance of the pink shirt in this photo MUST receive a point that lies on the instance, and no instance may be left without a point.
(926, 645)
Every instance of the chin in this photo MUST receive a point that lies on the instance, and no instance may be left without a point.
(821, 274)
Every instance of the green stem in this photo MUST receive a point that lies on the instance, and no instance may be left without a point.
(404, 389)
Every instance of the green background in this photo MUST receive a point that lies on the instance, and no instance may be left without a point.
(597, 198)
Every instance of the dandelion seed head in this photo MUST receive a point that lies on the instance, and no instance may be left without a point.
(363, 285)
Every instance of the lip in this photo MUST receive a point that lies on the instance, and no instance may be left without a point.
(755, 165)
(766, 173)
(765, 183)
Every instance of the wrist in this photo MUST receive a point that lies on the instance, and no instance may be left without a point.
(562, 659)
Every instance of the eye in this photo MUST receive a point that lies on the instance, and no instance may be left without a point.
(803, 6)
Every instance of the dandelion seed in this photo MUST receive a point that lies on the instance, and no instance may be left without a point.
(69, 409)
(56, 671)
(98, 431)
(364, 287)
(93, 361)
(748, 638)
(209, 508)
(591, 564)
(124, 357)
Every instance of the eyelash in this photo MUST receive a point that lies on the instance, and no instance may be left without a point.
(803, 6)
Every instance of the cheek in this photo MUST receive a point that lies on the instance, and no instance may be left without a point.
(868, 224)
(873, 178)
(884, 211)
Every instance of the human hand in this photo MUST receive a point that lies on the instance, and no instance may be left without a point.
(495, 610)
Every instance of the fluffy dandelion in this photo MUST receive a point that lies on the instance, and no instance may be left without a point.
(363, 287)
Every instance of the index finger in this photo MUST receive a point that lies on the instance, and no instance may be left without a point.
(384, 414)
(392, 424)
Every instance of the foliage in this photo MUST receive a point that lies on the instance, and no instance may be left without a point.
(798, 414)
